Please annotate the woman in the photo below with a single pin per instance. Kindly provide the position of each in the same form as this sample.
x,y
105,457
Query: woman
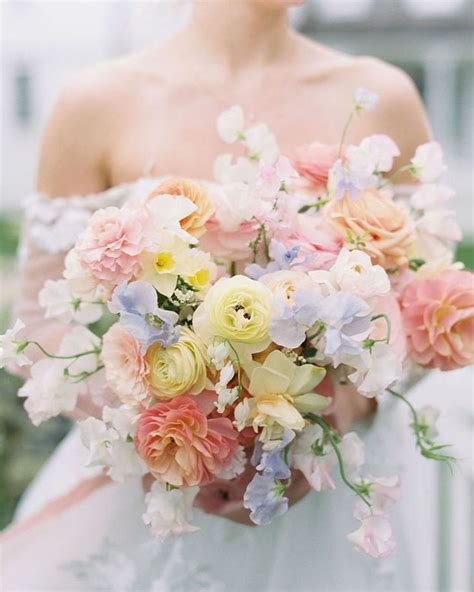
x,y
153,114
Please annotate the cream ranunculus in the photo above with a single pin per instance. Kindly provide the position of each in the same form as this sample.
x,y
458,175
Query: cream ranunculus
x,y
178,369
237,309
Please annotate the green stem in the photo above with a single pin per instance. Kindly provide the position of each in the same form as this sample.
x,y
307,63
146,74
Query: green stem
x,y
404,169
389,325
344,133
95,351
333,437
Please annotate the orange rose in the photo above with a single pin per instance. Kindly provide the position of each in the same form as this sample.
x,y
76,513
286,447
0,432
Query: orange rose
x,y
376,225
195,222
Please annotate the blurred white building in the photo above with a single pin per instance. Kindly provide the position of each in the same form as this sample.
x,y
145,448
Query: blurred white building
x,y
44,43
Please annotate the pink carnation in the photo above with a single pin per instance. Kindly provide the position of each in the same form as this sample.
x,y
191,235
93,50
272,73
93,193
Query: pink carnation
x,y
438,314
113,240
125,368
313,162
181,446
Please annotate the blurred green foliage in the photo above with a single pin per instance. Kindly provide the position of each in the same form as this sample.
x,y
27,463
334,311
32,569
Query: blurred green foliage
x,y
23,447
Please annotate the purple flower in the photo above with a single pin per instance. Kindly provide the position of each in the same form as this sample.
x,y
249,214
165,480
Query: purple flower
x,y
345,316
289,325
264,498
140,315
282,258
344,182
271,462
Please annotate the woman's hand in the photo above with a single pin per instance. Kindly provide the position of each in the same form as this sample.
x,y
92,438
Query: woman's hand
x,y
224,498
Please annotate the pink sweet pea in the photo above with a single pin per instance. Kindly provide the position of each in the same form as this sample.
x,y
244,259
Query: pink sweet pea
x,y
374,537
438,315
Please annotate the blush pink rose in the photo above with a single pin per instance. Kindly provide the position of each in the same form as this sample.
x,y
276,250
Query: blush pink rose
x,y
313,162
319,243
113,240
438,315
125,367
230,245
180,445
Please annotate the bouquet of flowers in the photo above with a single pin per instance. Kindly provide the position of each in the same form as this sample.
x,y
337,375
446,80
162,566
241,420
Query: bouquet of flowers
x,y
213,322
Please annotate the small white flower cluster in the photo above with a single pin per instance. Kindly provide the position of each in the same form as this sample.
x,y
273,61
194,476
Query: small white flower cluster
x,y
56,383
219,358
110,443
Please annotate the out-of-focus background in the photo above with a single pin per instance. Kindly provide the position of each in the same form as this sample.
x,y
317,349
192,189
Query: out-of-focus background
x,y
44,43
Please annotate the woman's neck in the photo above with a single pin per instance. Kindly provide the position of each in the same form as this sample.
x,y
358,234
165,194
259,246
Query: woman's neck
x,y
236,34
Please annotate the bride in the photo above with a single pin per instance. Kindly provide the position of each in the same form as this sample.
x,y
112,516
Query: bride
x,y
116,128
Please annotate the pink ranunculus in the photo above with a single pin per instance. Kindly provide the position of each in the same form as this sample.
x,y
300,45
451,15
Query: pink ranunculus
x,y
180,445
438,315
313,162
232,245
125,367
113,240
319,243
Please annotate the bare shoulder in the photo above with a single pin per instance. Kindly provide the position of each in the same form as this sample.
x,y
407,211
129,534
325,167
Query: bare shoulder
x,y
81,127
400,112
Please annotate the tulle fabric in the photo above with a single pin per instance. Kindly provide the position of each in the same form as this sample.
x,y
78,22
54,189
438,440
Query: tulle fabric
x,y
75,530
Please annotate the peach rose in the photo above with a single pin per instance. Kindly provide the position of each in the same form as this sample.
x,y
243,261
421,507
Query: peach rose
x,y
125,368
376,225
195,223
181,446
438,315
313,162
110,246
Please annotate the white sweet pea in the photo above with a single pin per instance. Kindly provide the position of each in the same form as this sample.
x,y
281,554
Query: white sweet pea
x,y
218,354
431,196
428,164
242,170
169,511
373,537
428,417
242,414
167,211
316,468
383,491
81,283
49,392
225,396
78,341
236,466
352,450
365,100
235,204
380,150
59,302
12,347
230,124
122,419
375,370
107,447
261,144
355,273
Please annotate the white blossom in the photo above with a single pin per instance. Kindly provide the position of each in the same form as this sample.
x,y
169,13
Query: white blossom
x,y
230,124
217,354
243,170
261,144
428,162
316,468
365,100
12,347
355,273
59,302
225,396
431,196
352,450
167,212
49,392
169,511
379,151
375,370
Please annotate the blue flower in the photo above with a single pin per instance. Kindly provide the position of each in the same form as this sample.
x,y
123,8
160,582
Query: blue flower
x,y
282,258
271,462
264,498
289,325
140,315
345,316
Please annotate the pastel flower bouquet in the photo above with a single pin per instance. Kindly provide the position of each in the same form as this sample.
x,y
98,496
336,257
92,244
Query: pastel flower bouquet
x,y
234,309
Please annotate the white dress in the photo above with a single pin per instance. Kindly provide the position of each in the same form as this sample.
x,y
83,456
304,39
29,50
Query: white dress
x,y
75,531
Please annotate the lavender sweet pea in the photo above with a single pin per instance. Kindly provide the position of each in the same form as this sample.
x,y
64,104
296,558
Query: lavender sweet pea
x,y
282,258
289,325
264,498
271,462
137,305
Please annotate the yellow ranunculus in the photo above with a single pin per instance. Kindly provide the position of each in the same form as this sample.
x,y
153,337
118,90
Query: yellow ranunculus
x,y
178,369
237,309
281,393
